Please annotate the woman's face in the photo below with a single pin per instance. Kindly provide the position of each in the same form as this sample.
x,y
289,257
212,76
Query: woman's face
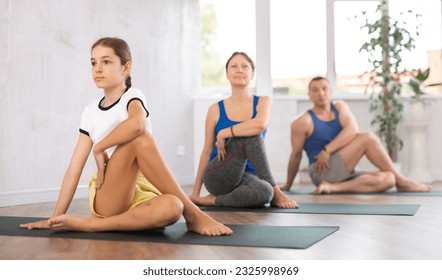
x,y
239,71
107,70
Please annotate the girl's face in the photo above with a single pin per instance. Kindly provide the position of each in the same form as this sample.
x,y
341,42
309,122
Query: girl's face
x,y
107,71
239,71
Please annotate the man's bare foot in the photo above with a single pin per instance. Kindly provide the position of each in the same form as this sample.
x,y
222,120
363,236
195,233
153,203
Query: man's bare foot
x,y
409,185
203,224
208,200
285,188
324,187
281,200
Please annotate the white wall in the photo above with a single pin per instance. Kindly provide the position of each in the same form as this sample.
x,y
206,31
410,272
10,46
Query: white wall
x,y
45,82
286,108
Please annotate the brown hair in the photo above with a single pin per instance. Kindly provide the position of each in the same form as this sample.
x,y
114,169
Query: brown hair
x,y
245,56
120,48
315,79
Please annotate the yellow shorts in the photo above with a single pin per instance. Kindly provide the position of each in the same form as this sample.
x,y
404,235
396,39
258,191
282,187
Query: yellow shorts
x,y
144,191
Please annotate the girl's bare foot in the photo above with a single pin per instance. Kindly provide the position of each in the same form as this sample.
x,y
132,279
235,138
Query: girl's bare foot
x,y
203,224
70,223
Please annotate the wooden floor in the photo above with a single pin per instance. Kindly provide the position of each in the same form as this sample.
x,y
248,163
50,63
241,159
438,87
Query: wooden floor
x,y
361,237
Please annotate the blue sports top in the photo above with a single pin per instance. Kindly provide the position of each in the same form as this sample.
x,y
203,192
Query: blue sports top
x,y
323,133
224,122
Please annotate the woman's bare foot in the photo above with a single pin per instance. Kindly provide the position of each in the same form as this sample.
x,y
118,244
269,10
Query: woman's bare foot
x,y
324,187
281,200
203,224
208,200
409,185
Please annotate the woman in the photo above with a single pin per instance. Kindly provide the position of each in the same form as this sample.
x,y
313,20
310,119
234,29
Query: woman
x,y
116,128
236,172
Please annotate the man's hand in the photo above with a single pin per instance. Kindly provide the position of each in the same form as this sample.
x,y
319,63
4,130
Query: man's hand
x,y
322,161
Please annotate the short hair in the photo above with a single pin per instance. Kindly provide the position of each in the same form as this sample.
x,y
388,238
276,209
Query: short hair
x,y
315,79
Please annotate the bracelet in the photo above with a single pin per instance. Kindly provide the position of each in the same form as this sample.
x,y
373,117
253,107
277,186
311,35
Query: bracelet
x,y
231,130
325,150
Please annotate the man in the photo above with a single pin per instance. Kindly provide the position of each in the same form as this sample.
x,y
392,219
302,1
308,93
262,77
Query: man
x,y
330,136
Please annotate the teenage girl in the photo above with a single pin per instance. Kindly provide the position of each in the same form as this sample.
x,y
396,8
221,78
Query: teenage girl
x,y
133,188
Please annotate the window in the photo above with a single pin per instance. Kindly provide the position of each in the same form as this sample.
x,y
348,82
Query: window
x,y
349,62
298,44
428,51
310,38
348,39
226,26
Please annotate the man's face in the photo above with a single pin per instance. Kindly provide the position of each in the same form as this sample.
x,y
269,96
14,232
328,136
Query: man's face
x,y
320,92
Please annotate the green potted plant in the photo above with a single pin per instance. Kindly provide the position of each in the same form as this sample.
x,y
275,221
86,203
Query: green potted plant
x,y
416,82
388,38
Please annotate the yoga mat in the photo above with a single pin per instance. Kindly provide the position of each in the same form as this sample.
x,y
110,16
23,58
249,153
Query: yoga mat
x,y
329,208
389,192
292,237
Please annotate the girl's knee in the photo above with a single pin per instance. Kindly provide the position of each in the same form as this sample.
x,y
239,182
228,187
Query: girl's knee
x,y
144,140
173,207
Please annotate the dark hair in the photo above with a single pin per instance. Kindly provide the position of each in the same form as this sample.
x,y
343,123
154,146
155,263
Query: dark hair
x,y
245,56
120,48
315,79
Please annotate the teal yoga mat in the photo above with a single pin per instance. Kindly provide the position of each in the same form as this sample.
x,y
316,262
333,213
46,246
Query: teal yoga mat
x,y
302,191
292,237
330,208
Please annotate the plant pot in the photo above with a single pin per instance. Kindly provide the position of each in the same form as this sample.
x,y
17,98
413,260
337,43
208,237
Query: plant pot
x,y
417,120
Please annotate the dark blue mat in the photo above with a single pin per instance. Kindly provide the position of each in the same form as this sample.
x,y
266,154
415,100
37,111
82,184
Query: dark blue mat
x,y
304,190
331,208
292,237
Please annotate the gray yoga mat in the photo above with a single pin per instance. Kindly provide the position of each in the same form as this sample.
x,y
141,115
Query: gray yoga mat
x,y
330,208
292,237
302,191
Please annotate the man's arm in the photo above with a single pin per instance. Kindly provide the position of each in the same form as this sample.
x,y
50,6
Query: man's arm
x,y
348,133
349,128
299,132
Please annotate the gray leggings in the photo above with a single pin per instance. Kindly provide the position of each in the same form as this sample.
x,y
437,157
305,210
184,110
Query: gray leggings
x,y
229,181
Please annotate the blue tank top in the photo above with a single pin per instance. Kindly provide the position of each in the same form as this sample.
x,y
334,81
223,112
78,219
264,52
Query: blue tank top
x,y
323,133
224,122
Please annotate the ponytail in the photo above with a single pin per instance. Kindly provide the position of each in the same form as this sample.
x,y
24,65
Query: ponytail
x,y
128,82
